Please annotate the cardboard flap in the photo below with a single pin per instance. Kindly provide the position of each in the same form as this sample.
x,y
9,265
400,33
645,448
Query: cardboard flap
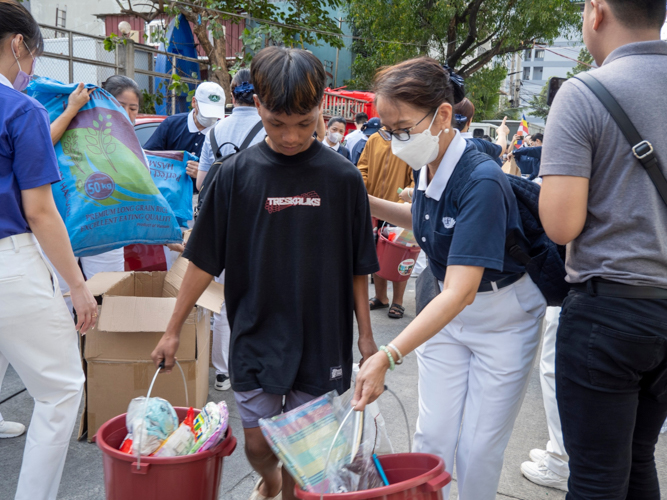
x,y
212,298
103,282
136,314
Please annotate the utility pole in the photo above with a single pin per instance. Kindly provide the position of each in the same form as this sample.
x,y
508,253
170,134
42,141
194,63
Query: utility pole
x,y
511,89
340,26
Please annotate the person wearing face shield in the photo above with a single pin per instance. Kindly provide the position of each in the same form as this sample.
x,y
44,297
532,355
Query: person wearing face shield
x,y
477,337
334,136
188,131
37,334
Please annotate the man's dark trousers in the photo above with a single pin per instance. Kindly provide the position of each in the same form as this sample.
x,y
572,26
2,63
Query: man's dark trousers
x,y
611,387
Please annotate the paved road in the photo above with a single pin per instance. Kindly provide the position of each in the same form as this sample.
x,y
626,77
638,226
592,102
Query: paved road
x,y
83,477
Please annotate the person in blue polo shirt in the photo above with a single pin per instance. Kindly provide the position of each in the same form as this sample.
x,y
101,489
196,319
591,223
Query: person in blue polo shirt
x,y
37,334
187,131
477,338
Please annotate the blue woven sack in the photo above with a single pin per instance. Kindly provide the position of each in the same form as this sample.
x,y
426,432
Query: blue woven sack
x,y
107,196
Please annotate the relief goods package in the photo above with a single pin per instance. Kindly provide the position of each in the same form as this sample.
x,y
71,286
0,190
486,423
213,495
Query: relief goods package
x,y
168,172
107,196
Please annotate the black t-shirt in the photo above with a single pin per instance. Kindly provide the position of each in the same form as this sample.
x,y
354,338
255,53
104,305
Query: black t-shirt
x,y
291,232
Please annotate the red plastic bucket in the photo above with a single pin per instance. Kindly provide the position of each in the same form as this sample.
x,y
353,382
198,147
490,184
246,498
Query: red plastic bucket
x,y
396,261
412,476
191,477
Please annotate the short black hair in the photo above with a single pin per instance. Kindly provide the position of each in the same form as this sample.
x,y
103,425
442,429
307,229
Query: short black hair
x,y
117,84
360,118
639,14
537,137
336,119
288,81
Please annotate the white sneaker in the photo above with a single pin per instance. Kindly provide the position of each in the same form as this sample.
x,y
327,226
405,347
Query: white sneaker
x,y
537,455
538,473
222,383
11,429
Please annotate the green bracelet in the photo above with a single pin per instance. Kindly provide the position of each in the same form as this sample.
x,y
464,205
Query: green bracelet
x,y
392,364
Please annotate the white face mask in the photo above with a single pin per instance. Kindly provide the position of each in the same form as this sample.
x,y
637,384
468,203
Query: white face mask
x,y
420,149
206,122
334,137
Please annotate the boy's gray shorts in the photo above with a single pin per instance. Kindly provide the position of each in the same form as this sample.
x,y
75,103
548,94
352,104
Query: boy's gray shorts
x,y
257,404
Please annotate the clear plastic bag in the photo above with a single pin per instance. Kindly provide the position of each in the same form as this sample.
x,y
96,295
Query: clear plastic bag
x,y
303,437
149,432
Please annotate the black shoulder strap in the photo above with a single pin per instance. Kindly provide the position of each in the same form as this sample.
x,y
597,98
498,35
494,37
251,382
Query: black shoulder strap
x,y
214,143
251,135
642,149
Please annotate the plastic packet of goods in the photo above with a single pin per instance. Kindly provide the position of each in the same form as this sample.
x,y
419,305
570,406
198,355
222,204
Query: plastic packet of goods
x,y
218,433
180,442
149,432
210,420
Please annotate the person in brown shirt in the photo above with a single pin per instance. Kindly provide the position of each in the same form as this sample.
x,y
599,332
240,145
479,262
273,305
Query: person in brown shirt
x,y
383,174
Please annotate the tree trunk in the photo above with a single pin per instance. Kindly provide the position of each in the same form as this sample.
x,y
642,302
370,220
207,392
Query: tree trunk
x,y
216,52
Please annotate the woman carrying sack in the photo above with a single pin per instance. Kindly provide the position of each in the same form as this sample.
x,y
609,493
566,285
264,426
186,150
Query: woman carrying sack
x,y
37,335
477,339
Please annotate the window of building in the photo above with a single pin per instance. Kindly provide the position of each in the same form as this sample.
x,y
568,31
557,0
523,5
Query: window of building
x,y
539,54
537,73
526,73
526,54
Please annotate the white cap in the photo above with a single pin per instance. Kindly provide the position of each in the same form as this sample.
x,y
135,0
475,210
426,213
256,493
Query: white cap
x,y
211,100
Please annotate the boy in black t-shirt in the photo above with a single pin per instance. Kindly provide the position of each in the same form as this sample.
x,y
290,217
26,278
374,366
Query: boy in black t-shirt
x,y
289,221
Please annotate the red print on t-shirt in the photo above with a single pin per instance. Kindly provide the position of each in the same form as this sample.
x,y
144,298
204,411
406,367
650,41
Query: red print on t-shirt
x,y
311,199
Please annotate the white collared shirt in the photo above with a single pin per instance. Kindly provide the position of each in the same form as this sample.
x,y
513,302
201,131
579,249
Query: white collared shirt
x,y
466,135
5,81
437,186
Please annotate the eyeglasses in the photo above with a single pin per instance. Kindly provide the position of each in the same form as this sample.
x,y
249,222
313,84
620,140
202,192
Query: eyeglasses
x,y
401,134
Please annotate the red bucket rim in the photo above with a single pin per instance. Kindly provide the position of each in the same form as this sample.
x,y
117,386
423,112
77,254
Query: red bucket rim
x,y
383,491
113,452
384,238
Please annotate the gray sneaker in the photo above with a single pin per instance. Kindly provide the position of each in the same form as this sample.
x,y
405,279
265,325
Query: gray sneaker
x,y
222,383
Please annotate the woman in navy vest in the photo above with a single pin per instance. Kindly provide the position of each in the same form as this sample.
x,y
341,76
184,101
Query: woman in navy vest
x,y
477,339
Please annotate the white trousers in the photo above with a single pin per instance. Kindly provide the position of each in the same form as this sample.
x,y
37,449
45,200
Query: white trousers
x,y
478,365
38,338
221,335
556,459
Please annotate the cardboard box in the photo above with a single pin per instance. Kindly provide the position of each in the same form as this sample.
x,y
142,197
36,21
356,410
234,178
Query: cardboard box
x,y
134,312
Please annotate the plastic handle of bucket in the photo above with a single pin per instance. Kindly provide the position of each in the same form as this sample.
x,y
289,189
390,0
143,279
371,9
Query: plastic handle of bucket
x,y
150,390
438,482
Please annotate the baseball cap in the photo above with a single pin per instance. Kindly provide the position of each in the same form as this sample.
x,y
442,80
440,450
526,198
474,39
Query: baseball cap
x,y
371,126
211,100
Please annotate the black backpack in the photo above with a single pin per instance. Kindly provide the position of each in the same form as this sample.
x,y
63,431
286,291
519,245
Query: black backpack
x,y
215,167
544,260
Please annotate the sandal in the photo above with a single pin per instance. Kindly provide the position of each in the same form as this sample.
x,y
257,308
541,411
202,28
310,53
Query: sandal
x,y
375,303
396,311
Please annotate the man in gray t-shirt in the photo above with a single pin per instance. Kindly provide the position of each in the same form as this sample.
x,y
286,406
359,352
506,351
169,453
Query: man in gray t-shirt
x,y
611,348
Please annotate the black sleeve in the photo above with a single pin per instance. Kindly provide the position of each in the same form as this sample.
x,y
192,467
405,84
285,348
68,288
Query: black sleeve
x,y
365,255
344,151
207,245
158,141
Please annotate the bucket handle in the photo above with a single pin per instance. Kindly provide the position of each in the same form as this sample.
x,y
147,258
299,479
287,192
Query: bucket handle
x,y
438,482
407,424
139,468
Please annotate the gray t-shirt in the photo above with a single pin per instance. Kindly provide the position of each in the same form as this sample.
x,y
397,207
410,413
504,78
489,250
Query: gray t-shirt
x,y
625,235
232,129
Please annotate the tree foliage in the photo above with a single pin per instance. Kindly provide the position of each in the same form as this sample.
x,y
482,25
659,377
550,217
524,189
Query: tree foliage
x,y
209,16
482,89
466,34
585,62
